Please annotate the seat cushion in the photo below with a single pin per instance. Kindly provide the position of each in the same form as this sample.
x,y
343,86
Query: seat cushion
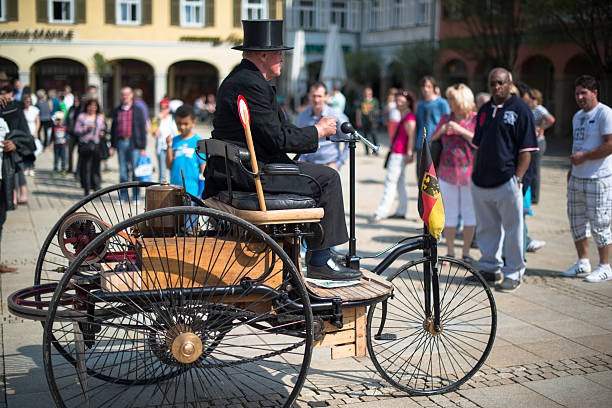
x,y
248,201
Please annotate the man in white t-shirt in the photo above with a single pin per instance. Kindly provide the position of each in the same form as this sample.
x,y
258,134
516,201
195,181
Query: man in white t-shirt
x,y
589,189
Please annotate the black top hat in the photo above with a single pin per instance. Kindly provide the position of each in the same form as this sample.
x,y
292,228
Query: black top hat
x,y
262,35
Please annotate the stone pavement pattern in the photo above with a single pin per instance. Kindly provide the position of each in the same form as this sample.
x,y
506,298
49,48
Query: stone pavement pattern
x,y
554,338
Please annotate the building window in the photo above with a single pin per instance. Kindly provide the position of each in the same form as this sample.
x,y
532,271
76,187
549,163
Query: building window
x,y
192,13
339,13
422,12
2,10
305,14
61,11
254,9
376,16
128,12
398,13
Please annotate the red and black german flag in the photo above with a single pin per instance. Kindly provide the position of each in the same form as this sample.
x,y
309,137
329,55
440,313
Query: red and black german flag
x,y
431,209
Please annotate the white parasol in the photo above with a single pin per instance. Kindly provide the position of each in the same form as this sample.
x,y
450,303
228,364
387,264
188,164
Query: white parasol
x,y
333,71
297,77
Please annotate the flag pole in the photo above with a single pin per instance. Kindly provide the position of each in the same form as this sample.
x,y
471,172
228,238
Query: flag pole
x,y
422,174
432,293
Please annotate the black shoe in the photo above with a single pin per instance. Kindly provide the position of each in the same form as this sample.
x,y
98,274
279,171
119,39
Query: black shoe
x,y
336,256
489,277
333,271
508,285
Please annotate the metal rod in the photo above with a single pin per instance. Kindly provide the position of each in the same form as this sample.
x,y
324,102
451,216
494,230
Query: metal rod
x,y
352,239
367,142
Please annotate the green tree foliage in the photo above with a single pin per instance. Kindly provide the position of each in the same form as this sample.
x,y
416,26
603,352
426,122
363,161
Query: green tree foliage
x,y
362,66
102,65
588,23
415,60
496,28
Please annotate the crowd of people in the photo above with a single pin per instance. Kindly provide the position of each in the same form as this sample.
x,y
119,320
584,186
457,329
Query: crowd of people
x,y
73,128
469,183
487,150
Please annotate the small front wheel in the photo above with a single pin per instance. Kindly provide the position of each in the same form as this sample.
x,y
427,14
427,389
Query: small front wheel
x,y
406,348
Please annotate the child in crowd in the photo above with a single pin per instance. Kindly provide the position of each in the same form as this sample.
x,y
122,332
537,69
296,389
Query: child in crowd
x,y
181,153
58,137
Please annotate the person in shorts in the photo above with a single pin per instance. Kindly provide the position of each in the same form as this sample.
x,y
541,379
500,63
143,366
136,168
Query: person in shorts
x,y
589,187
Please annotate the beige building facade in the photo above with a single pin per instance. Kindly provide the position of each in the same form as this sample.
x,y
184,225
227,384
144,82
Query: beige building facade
x,y
174,48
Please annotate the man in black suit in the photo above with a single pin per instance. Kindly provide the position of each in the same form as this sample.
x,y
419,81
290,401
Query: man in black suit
x,y
274,136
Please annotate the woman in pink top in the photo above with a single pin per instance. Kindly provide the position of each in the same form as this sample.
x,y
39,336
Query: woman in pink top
x,y
401,154
90,128
455,169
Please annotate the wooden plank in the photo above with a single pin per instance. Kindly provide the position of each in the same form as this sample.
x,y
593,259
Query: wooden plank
x,y
348,321
195,262
343,351
371,286
111,281
360,331
269,217
339,337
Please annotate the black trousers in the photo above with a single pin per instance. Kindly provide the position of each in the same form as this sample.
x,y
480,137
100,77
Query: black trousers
x,y
90,170
329,197
45,128
3,208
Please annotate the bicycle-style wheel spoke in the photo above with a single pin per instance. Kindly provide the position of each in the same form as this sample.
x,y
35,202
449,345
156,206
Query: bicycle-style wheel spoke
x,y
191,307
410,352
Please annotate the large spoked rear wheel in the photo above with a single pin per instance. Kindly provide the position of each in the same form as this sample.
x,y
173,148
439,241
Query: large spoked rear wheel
x,y
405,347
98,210
195,308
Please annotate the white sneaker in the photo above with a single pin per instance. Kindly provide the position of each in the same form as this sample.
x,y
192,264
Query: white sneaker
x,y
600,273
579,269
534,245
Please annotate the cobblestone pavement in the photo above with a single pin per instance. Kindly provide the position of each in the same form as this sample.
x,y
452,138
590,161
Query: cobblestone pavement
x,y
554,340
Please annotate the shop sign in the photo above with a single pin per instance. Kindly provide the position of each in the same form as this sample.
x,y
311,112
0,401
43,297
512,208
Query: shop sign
x,y
37,34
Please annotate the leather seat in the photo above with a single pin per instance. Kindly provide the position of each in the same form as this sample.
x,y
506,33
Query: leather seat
x,y
248,201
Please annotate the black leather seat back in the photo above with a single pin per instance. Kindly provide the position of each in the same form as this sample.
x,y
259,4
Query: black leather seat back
x,y
248,201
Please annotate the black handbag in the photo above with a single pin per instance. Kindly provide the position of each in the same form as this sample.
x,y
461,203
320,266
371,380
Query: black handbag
x,y
103,150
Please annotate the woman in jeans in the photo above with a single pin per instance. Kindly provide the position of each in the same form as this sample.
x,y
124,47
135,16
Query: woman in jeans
x,y
90,128
455,169
401,142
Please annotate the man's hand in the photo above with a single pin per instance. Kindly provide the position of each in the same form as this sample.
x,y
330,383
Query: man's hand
x,y
326,126
8,146
4,100
578,158
169,141
409,156
332,165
